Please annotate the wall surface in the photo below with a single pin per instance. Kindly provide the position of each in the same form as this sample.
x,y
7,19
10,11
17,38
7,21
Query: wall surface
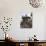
x,y
16,9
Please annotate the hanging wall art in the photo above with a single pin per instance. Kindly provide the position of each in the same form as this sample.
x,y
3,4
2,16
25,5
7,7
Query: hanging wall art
x,y
35,3
26,21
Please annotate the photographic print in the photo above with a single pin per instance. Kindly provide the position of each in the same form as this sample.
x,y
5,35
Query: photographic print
x,y
26,21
